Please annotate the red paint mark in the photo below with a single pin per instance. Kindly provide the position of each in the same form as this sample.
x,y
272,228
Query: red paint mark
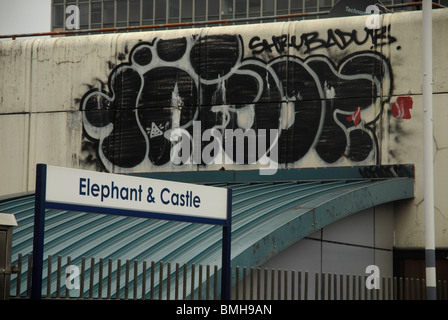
x,y
401,108
355,117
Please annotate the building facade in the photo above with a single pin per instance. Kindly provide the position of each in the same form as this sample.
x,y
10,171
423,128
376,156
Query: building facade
x,y
328,93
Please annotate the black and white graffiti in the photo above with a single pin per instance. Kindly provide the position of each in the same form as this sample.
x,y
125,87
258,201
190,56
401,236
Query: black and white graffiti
x,y
322,110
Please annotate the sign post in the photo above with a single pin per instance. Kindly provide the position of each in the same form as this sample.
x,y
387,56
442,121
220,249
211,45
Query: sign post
x,y
96,192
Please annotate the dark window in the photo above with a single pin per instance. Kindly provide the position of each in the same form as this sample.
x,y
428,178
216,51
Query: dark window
x,y
200,6
240,9
254,8
187,10
58,16
134,12
108,13
84,13
227,9
122,10
310,6
268,8
213,9
173,11
148,9
95,12
160,11
282,7
296,6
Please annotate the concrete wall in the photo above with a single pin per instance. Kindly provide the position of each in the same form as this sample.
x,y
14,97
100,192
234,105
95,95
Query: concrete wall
x,y
345,247
336,93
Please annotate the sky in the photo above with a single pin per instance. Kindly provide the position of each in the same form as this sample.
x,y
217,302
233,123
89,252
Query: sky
x,y
25,16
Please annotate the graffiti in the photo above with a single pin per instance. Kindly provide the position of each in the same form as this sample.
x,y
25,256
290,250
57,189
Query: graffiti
x,y
401,108
312,41
305,107
393,171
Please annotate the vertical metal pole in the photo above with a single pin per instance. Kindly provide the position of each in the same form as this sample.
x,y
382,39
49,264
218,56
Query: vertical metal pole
x,y
226,250
428,151
39,224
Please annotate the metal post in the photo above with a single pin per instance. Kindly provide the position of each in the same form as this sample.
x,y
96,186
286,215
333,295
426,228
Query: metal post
x,y
39,224
226,250
428,151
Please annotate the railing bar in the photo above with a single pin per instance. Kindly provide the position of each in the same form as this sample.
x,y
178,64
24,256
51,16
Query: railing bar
x,y
354,287
259,283
81,280
160,279
109,278
335,286
144,281
200,283
58,279
244,283
100,279
152,281
401,288
360,287
237,283
272,284
395,288
293,285
306,286
322,285
279,281
117,294
265,276
184,284
347,285
19,275
92,274
316,286
366,291
135,278
176,288
126,281
168,280
341,287
207,283
49,263
193,270
69,262
215,283
406,281
252,284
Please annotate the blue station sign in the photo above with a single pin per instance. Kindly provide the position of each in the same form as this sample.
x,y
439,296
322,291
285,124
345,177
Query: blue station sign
x,y
97,192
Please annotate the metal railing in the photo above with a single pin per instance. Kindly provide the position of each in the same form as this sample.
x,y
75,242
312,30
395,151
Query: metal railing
x,y
138,280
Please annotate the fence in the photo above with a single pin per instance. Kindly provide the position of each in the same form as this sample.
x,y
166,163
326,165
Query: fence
x,y
124,279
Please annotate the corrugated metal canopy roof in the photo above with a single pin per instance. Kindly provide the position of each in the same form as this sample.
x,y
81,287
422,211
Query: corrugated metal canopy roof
x,y
268,215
